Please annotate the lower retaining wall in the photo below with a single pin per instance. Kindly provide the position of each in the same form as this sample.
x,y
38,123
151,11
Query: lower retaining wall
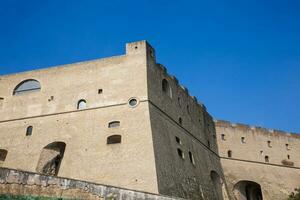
x,y
17,182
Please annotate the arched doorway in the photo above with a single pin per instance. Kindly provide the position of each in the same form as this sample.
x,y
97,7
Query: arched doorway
x,y
50,158
247,190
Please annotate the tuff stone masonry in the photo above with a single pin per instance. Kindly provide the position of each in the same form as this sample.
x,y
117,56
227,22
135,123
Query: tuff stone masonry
x,y
124,121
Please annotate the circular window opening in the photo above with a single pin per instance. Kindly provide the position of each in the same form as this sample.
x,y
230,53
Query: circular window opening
x,y
133,102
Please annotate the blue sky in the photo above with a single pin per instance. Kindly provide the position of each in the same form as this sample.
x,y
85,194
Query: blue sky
x,y
240,58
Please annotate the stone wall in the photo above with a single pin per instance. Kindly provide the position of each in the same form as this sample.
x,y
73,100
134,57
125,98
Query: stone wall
x,y
17,182
249,147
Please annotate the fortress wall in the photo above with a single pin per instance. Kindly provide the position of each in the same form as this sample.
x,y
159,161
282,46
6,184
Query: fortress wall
x,y
256,145
87,155
179,176
195,118
276,178
120,78
31,184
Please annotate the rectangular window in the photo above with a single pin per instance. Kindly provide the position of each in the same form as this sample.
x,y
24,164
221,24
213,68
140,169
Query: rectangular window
x,y
243,140
223,136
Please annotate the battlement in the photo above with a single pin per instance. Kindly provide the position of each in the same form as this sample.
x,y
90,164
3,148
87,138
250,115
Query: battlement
x,y
245,127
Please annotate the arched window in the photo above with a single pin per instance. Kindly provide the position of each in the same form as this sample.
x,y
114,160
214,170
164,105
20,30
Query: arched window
x,y
29,131
114,139
3,154
229,153
113,124
81,104
166,88
29,85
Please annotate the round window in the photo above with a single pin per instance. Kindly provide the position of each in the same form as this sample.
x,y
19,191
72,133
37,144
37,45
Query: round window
x,y
133,102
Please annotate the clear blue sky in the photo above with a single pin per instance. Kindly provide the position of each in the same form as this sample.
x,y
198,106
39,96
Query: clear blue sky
x,y
240,58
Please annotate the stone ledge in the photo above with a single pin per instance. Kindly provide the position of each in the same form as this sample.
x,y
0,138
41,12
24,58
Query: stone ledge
x,y
16,182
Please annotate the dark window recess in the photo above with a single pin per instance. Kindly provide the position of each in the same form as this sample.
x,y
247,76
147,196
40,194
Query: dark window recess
x,y
178,140
113,124
208,143
267,159
288,157
188,109
166,88
287,146
191,158
229,154
180,153
100,91
223,136
29,131
180,120
114,139
243,140
3,154
269,144
1,102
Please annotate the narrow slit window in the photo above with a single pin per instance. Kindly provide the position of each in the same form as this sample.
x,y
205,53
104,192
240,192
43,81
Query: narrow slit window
x,y
29,131
1,102
114,139
208,143
191,158
113,124
229,154
180,120
223,137
178,140
288,157
180,153
287,146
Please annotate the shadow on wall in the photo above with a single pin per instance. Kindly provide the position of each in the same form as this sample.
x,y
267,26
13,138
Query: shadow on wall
x,y
219,186
247,190
50,158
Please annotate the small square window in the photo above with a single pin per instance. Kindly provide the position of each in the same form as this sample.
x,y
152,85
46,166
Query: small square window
x,y
243,140
100,91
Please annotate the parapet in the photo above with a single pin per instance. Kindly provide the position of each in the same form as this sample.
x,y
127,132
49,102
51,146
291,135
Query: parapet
x,y
245,127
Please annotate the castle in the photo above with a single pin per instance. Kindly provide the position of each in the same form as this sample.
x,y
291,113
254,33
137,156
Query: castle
x,y
124,121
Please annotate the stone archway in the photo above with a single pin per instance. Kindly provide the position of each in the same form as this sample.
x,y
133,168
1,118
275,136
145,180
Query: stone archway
x,y
247,190
50,158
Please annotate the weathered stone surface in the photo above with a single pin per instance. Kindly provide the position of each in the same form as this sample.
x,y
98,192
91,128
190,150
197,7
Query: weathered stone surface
x,y
40,185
